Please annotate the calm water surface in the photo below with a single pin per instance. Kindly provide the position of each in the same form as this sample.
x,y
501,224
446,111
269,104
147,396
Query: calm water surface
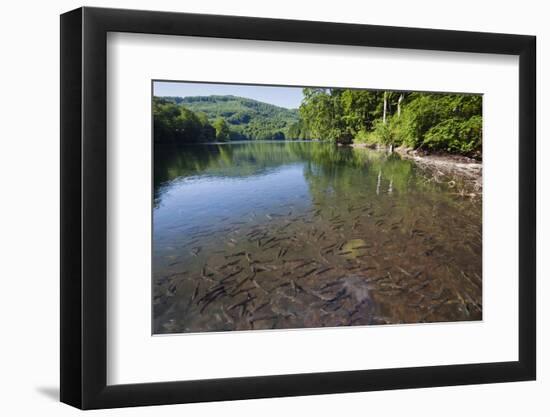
x,y
264,235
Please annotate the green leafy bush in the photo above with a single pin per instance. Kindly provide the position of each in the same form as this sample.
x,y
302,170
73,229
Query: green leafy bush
x,y
366,137
455,135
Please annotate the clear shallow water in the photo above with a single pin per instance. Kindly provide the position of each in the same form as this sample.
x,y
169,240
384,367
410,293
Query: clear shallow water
x,y
265,235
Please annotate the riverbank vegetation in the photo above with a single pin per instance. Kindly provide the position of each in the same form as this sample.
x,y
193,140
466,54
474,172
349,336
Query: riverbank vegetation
x,y
433,122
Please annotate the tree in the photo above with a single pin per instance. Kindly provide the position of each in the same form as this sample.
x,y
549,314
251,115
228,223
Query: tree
x,y
384,118
361,108
222,130
401,97
322,113
450,122
173,123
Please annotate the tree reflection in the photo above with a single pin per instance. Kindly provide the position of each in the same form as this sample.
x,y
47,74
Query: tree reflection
x,y
341,172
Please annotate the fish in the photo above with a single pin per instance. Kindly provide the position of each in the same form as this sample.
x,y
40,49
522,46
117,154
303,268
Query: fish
x,y
196,291
284,227
403,270
262,318
235,254
242,303
420,286
244,290
260,307
259,286
241,282
329,247
232,274
201,235
191,242
211,294
322,271
209,301
232,263
175,274
171,291
331,284
304,264
311,271
323,257
375,279
269,241
266,248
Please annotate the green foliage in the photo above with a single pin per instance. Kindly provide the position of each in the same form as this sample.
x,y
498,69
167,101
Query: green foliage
x,y
384,132
222,130
297,131
176,124
455,135
365,137
436,122
247,119
322,114
363,107
394,132
449,122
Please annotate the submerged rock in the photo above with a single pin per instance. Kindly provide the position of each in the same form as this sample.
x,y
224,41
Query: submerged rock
x,y
353,248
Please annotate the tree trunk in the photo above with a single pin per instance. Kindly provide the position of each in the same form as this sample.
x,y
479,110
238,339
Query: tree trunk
x,y
399,105
385,107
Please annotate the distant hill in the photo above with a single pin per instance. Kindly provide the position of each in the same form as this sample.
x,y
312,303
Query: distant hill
x,y
247,118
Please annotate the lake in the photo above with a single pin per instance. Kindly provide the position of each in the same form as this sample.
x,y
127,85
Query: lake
x,y
278,235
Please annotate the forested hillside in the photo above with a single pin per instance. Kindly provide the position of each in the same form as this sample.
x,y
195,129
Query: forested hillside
x,y
244,119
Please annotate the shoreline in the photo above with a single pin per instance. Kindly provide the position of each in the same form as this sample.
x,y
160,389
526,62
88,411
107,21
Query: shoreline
x,y
442,166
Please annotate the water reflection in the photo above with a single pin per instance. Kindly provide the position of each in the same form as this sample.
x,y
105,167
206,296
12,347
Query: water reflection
x,y
266,235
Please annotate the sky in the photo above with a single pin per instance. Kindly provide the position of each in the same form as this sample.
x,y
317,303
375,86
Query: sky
x,y
289,97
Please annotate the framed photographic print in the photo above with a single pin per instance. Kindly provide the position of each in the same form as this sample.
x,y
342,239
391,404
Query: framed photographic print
x,y
257,207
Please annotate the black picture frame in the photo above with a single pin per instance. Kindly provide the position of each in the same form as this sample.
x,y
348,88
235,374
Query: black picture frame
x,y
84,207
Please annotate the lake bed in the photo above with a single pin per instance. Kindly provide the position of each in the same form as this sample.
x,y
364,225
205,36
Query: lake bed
x,y
278,235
